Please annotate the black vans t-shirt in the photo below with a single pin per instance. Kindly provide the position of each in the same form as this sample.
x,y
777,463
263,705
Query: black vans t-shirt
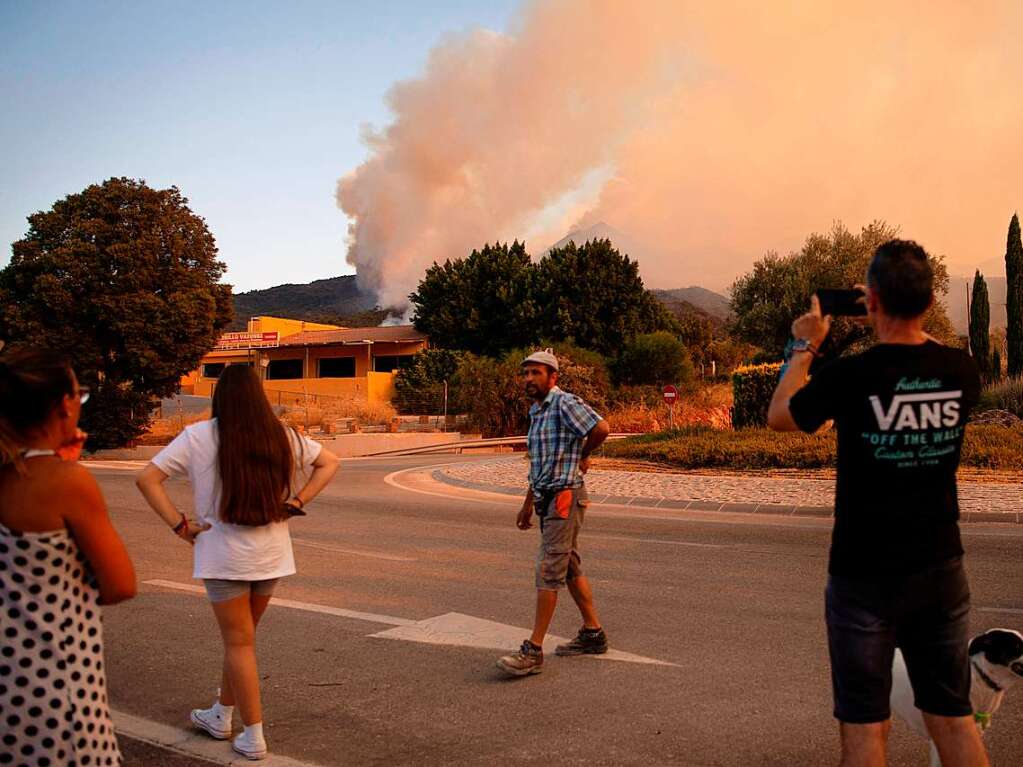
x,y
900,411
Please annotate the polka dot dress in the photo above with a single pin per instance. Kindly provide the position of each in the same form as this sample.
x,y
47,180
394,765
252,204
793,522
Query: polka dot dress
x,y
53,697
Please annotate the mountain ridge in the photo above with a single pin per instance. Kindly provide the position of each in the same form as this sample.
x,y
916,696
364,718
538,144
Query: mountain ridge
x,y
326,300
339,300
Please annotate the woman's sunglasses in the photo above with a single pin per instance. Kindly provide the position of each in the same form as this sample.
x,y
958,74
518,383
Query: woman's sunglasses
x,y
83,394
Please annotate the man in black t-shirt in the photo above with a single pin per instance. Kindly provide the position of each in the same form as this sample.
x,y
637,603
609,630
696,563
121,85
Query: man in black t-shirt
x,y
895,573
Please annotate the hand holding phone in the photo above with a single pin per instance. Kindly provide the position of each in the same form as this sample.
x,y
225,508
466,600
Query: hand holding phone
x,y
842,303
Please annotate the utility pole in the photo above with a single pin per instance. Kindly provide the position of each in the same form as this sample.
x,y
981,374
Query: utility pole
x,y
445,427
969,319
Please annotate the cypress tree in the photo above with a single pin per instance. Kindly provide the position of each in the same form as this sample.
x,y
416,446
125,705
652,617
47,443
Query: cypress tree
x,y
980,322
996,366
1014,297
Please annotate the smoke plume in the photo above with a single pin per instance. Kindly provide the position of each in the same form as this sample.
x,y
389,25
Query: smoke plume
x,y
710,133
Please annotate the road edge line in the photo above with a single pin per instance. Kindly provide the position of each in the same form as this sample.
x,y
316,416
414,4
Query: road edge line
x,y
309,607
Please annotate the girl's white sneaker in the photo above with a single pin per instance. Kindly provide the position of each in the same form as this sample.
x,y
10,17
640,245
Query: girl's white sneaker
x,y
251,746
214,723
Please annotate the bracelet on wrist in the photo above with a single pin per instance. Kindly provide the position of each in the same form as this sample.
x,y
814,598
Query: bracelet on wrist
x,y
181,526
802,345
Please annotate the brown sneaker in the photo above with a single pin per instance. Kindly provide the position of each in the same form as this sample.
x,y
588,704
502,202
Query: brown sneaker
x,y
586,642
528,660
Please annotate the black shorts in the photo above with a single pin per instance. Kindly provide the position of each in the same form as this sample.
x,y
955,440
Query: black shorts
x,y
926,615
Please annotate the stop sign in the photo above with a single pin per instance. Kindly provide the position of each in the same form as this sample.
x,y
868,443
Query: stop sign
x,y
670,394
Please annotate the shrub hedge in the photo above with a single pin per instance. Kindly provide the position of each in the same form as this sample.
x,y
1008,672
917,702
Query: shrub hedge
x,y
993,447
752,387
698,447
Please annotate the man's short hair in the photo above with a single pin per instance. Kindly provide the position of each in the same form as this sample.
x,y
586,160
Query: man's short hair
x,y
901,274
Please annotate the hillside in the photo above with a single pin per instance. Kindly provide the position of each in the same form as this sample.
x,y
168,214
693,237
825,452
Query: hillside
x,y
709,302
336,300
601,231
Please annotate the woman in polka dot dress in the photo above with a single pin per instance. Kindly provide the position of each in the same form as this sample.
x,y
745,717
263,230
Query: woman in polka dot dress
x,y
60,559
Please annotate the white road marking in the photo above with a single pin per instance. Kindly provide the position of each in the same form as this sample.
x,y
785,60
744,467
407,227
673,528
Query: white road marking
x,y
468,631
1009,610
353,552
293,605
392,480
191,742
449,629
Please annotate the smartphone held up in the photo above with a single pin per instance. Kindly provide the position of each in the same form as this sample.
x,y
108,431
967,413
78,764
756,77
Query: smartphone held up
x,y
842,303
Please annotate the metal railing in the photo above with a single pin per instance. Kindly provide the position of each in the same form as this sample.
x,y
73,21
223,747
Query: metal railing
x,y
468,444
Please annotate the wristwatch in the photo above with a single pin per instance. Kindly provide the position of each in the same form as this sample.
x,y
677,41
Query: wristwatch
x,y
802,345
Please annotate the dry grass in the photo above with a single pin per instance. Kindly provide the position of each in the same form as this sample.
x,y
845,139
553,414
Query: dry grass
x,y
713,395
708,406
634,419
327,410
986,449
700,447
965,473
163,430
320,414
1004,395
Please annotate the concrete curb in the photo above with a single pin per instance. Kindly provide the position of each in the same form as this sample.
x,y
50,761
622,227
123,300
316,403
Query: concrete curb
x,y
192,743
646,502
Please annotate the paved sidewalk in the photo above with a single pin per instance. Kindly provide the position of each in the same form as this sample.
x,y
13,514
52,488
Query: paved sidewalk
x,y
980,501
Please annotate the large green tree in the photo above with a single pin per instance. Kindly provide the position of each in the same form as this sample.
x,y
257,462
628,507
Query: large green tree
x,y
594,295
766,300
483,304
124,280
980,326
490,390
497,299
697,333
1014,297
654,359
426,385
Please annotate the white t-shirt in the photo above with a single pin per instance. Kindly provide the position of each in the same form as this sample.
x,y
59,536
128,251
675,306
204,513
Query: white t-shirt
x,y
226,551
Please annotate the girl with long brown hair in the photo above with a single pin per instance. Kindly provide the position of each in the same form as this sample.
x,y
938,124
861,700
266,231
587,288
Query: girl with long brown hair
x,y
60,558
245,468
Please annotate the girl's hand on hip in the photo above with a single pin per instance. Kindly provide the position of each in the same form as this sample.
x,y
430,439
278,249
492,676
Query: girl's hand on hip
x,y
192,531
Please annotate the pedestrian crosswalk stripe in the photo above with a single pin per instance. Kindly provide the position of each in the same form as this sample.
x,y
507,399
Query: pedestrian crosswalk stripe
x,y
454,629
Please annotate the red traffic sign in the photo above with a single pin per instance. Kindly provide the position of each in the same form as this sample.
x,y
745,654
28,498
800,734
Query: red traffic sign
x,y
670,394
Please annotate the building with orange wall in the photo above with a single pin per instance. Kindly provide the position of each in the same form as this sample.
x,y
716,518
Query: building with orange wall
x,y
297,357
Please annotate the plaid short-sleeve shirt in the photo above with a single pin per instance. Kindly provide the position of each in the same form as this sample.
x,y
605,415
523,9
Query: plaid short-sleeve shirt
x,y
557,430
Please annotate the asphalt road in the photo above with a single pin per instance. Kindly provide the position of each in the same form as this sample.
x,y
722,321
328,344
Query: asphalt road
x,y
734,602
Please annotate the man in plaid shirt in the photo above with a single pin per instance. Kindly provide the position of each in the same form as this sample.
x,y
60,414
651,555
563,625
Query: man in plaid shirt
x,y
563,432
